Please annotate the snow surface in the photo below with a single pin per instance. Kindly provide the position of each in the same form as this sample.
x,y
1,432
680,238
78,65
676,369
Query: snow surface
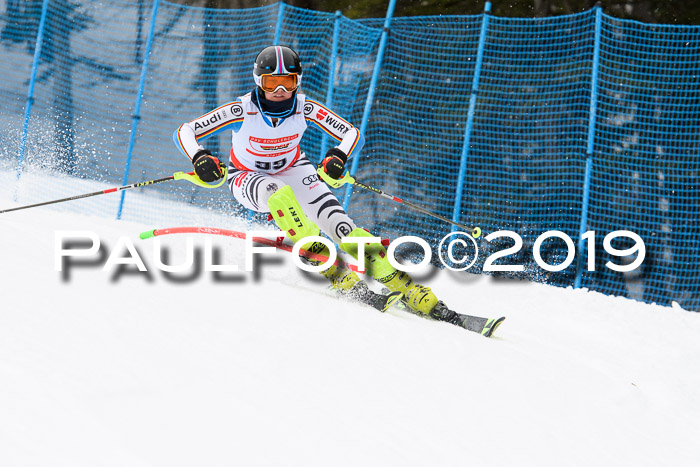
x,y
120,368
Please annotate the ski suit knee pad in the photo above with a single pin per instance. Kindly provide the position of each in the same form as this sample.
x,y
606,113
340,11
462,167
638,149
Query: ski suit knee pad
x,y
289,216
266,189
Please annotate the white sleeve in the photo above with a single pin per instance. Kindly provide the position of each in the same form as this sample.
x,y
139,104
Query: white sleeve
x,y
187,136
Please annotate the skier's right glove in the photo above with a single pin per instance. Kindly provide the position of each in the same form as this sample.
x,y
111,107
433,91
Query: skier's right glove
x,y
206,166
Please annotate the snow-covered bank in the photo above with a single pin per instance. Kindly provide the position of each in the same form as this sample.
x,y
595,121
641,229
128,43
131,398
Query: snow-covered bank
x,y
267,368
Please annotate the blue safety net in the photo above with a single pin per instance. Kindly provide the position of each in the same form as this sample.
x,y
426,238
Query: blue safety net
x,y
646,164
574,123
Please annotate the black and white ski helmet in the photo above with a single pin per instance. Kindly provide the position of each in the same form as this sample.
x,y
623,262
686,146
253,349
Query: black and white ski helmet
x,y
277,60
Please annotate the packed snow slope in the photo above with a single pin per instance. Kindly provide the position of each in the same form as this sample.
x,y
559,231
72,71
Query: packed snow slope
x,y
118,367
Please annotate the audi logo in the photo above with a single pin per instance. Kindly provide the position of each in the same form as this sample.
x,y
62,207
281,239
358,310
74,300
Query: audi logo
x,y
310,179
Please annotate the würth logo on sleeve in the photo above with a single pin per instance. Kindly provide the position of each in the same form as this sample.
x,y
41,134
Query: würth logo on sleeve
x,y
321,114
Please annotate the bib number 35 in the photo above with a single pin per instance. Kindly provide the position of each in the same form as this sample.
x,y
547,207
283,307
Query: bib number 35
x,y
276,165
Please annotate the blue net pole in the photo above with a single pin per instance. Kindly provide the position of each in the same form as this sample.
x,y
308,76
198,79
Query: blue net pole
x,y
30,93
331,73
470,116
275,41
589,148
137,108
370,93
278,27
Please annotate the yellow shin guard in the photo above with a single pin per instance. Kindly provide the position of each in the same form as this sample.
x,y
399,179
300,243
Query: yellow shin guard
x,y
290,217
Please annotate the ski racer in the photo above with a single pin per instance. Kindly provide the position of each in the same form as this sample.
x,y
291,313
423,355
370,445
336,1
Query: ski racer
x,y
268,172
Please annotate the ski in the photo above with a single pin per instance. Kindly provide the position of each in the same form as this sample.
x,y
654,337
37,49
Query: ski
x,y
379,301
484,326
278,243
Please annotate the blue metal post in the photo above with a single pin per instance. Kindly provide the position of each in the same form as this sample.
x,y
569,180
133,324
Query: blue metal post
x,y
589,147
137,108
275,41
278,27
370,93
331,73
470,115
30,92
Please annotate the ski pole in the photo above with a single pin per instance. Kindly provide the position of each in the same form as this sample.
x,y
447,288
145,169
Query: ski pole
x,y
279,244
347,178
190,177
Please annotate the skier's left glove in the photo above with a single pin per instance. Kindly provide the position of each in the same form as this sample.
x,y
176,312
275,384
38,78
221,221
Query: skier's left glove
x,y
332,167
334,163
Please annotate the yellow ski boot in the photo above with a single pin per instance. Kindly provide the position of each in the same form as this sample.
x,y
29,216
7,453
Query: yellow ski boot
x,y
290,217
418,297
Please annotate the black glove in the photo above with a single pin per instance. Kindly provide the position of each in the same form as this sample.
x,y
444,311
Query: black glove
x,y
207,166
334,163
